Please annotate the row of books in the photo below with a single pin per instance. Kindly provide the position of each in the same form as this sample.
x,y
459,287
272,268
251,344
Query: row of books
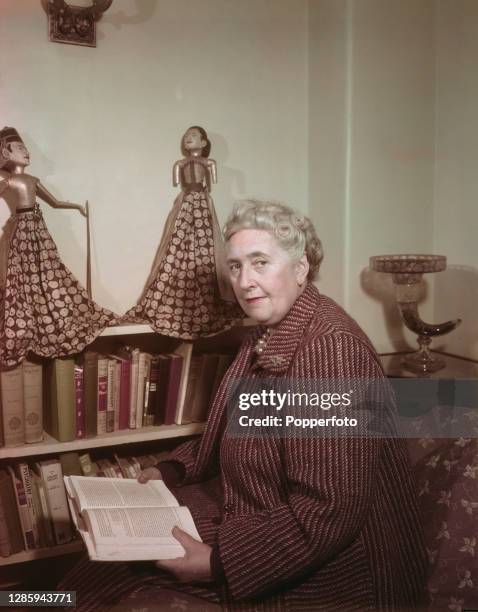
x,y
76,398
33,503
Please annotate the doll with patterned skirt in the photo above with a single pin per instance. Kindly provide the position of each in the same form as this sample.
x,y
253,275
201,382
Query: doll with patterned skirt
x,y
187,295
43,307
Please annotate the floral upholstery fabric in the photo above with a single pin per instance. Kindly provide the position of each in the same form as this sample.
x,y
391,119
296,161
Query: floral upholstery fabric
x,y
447,477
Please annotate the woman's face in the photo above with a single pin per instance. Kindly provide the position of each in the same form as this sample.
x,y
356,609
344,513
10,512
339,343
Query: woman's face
x,y
265,280
17,153
193,141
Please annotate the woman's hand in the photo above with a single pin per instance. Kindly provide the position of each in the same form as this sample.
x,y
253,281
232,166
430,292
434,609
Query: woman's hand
x,y
150,473
195,566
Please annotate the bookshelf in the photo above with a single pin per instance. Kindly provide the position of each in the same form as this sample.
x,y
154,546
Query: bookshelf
x,y
114,438
145,338
25,556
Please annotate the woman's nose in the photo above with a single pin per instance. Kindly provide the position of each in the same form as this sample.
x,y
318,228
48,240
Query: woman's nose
x,y
245,278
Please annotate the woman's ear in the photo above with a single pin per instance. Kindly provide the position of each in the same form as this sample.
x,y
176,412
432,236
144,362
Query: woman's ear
x,y
5,153
301,270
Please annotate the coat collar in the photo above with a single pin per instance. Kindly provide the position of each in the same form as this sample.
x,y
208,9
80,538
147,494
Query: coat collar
x,y
285,338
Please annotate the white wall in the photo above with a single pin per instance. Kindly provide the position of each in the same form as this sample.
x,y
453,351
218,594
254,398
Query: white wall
x,y
456,177
104,124
361,112
372,148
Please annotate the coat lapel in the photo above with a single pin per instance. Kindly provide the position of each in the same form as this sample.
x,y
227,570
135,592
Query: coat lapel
x,y
286,337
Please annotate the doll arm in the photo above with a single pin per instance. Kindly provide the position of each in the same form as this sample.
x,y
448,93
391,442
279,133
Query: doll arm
x,y
176,172
212,170
50,199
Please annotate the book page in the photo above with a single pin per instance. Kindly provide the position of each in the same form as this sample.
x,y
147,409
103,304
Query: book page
x,y
138,533
94,492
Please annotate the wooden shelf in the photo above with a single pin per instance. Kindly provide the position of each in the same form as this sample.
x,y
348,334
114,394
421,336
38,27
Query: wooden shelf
x,y
123,436
127,330
43,553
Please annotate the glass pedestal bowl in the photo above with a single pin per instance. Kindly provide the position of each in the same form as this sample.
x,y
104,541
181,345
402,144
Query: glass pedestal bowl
x,y
406,271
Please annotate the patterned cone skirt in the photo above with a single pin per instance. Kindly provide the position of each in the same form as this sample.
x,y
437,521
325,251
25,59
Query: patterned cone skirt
x,y
182,295
43,307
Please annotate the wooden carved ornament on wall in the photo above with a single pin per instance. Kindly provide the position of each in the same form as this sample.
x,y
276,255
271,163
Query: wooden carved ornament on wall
x,y
74,25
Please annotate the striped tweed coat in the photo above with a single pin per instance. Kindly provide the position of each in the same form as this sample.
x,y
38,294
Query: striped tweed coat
x,y
305,523
312,523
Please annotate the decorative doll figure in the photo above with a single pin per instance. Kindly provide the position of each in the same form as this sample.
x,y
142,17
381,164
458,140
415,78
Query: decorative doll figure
x,y
43,307
187,295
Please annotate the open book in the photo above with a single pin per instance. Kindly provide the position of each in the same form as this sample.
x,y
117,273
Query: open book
x,y
121,519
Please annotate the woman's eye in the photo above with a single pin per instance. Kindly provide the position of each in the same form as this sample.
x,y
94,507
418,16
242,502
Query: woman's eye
x,y
260,263
233,267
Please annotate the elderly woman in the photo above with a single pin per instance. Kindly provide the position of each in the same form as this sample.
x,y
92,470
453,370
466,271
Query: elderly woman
x,y
298,522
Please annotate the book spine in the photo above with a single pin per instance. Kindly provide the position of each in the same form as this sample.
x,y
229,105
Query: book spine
x,y
44,512
117,394
173,389
125,391
163,384
11,383
33,401
23,512
90,383
184,350
88,467
140,393
5,547
60,420
150,399
10,507
57,503
102,394
134,388
110,395
147,376
80,402
27,485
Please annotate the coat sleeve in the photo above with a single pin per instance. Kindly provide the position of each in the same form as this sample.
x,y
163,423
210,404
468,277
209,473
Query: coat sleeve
x,y
329,485
180,465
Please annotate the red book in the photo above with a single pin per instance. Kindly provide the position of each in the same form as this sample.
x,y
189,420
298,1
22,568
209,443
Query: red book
x,y
172,394
125,390
80,402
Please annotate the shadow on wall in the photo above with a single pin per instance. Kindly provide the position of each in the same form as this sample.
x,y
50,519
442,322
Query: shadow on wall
x,y
456,291
144,10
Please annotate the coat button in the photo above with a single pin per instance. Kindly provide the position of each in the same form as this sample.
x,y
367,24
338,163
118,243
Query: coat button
x,y
227,507
216,520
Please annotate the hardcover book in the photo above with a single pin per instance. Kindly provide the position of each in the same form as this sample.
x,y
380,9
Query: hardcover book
x,y
90,383
59,410
33,401
80,401
22,506
11,385
124,520
133,387
24,473
10,512
102,395
50,473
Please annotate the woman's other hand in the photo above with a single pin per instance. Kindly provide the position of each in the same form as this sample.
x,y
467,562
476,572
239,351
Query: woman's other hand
x,y
150,473
195,566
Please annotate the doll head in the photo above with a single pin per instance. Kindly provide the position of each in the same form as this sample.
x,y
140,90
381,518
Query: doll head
x,y
13,151
194,139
